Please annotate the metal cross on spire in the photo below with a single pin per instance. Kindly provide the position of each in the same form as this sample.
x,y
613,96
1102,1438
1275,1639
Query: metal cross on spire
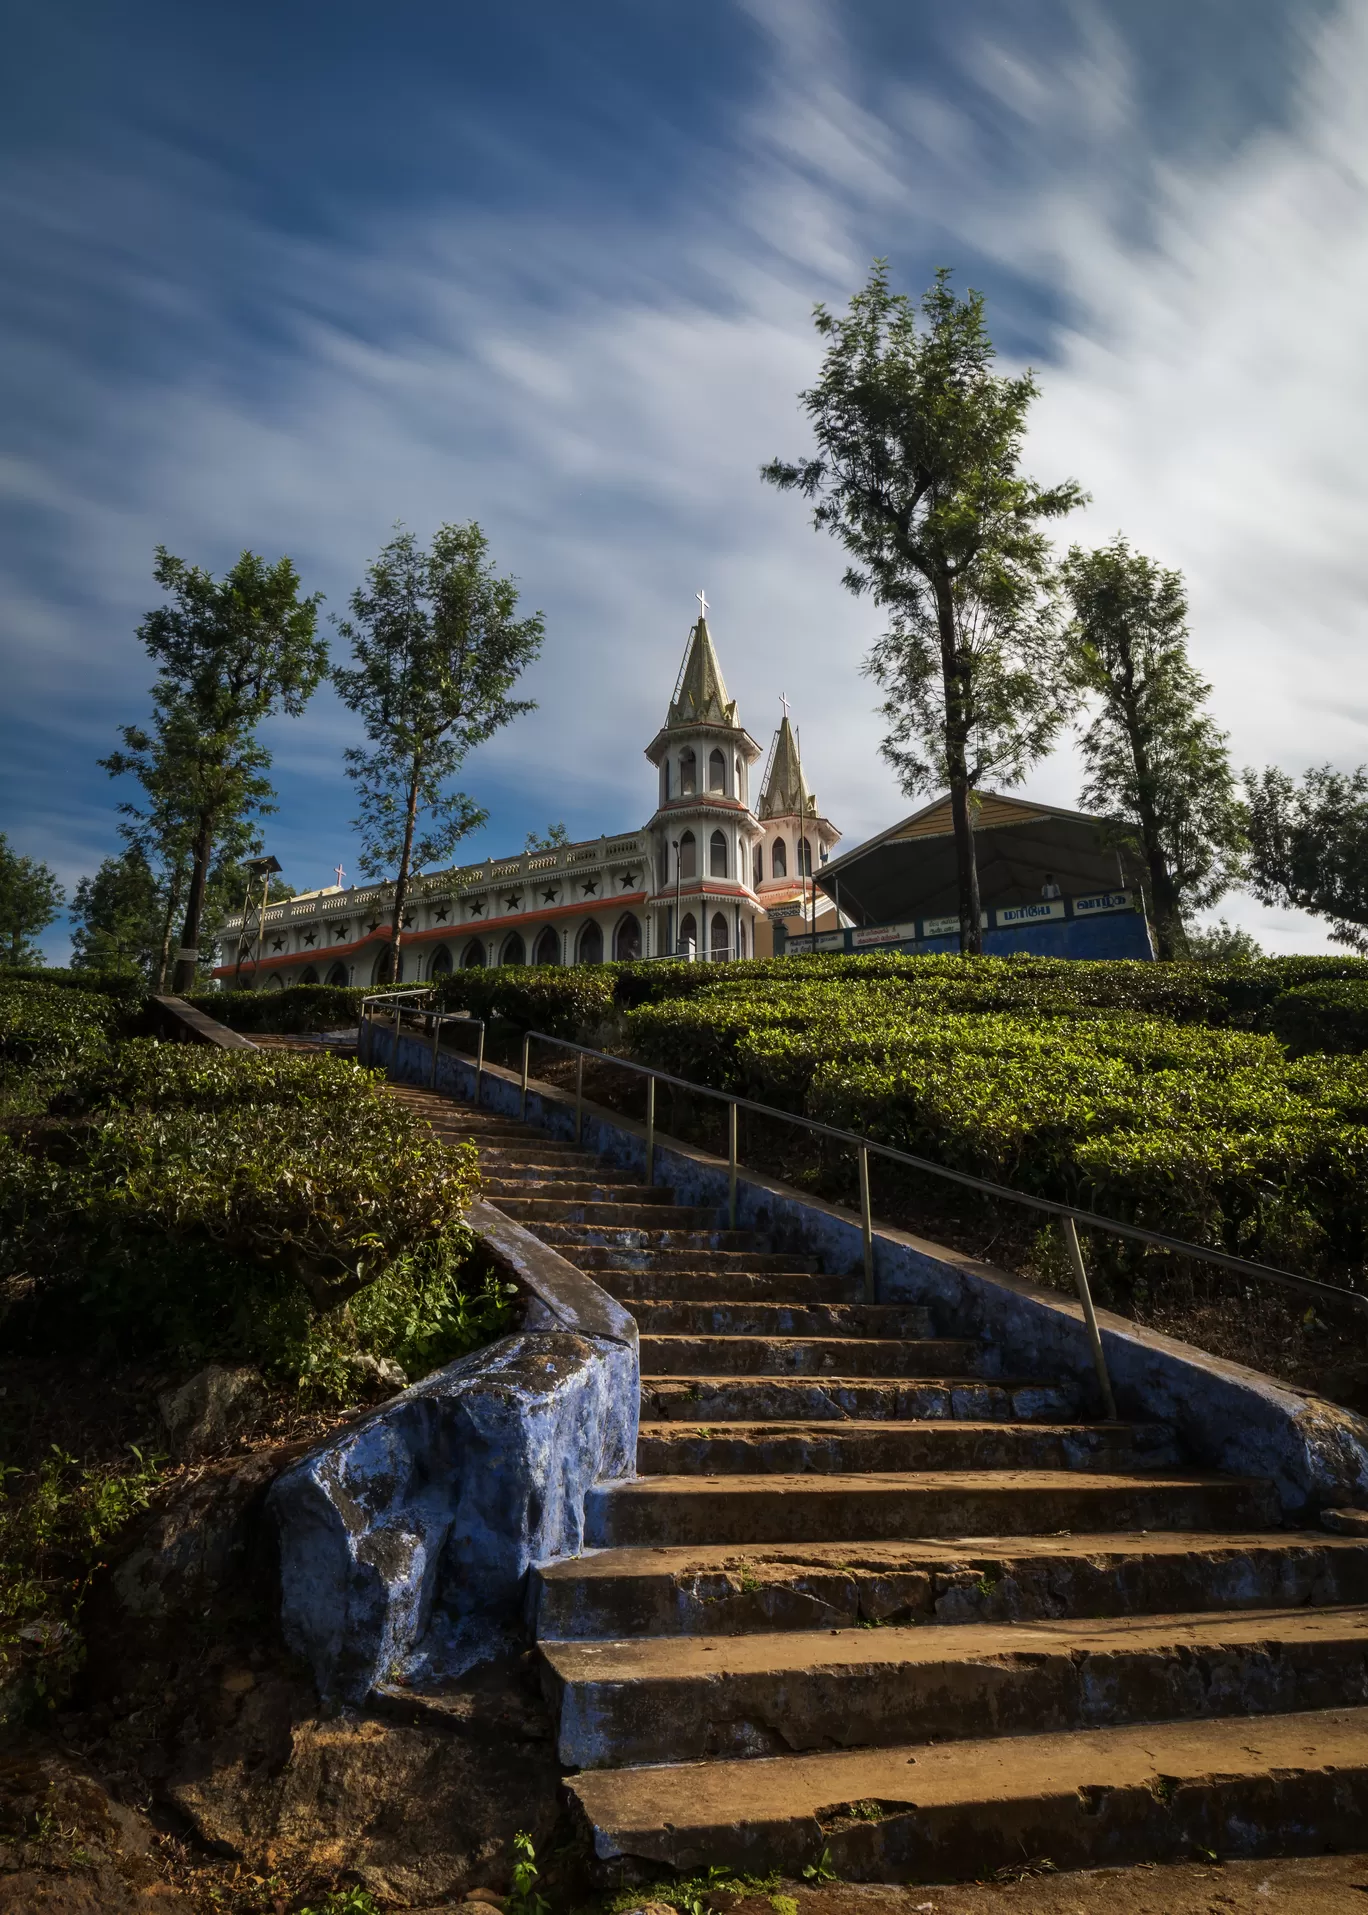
x,y
702,598
783,700
339,874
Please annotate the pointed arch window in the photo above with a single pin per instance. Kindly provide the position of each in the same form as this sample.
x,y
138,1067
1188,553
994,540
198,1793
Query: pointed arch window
x,y
627,940
547,949
758,867
804,858
717,772
441,962
779,860
589,949
721,942
688,856
474,956
514,950
717,855
688,935
688,772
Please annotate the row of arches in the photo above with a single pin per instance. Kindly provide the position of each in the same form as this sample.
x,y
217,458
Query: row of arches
x,y
546,948
717,855
779,860
688,772
719,936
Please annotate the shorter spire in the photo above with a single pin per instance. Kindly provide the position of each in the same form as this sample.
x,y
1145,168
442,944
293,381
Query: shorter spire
x,y
784,793
700,695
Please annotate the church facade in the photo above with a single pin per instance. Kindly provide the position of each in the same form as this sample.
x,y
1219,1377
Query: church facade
x,y
709,875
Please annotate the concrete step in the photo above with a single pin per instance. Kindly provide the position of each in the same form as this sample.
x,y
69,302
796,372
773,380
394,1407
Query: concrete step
x,y
641,1219
719,1590
749,1449
703,1317
573,1189
754,1399
696,1698
539,1162
664,1510
737,1286
709,1264
1291,1784
640,1238
814,1356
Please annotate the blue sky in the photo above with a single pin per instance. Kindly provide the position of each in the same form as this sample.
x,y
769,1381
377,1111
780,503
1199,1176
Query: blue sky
x,y
280,276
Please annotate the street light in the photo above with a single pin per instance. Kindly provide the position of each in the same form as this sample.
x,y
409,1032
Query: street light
x,y
265,869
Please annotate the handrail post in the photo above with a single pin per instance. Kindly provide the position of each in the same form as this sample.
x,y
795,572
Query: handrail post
x,y
436,1039
731,1166
527,1045
650,1130
579,1095
1075,1250
479,1063
866,1225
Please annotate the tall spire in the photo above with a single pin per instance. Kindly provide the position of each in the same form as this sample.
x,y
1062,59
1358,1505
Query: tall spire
x,y
700,695
784,793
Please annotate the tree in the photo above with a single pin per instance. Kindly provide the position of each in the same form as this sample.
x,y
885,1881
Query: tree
x,y
437,649
118,918
556,836
1222,943
1155,758
232,652
917,473
30,899
1308,846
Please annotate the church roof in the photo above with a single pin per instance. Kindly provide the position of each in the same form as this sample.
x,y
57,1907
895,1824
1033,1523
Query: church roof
x,y
784,793
700,695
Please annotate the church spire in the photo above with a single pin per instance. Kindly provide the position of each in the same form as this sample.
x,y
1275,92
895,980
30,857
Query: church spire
x,y
784,793
700,695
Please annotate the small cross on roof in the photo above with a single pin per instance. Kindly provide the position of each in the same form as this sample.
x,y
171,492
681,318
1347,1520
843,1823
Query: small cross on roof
x,y
702,598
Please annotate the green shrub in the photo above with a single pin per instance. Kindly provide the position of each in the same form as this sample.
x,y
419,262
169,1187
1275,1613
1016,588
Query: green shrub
x,y
563,1001
127,990
1329,1016
48,1031
145,1074
300,1007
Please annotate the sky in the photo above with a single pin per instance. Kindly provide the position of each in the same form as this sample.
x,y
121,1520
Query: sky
x,y
280,277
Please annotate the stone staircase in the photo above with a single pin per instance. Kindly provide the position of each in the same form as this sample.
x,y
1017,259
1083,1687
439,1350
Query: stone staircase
x,y
873,1597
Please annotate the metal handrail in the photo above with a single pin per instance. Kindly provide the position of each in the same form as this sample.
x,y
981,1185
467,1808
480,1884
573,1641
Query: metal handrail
x,y
1070,1215
436,1019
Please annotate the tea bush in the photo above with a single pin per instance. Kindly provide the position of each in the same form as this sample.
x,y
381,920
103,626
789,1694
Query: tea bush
x,y
300,1007
1328,1016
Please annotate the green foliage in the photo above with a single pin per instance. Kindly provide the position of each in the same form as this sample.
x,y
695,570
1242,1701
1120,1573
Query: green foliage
x,y
1331,1016
118,916
345,1901
30,899
1309,846
563,1001
48,1032
300,1007
1220,943
523,1898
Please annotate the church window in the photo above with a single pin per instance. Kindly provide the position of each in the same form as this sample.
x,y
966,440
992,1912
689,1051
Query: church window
x,y
758,866
589,950
717,772
514,950
475,955
741,939
441,962
338,974
627,940
721,943
688,772
717,855
688,856
804,858
547,949
688,935
779,860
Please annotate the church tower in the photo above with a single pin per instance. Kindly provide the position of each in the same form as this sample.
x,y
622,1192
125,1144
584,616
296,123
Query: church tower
x,y
795,839
704,833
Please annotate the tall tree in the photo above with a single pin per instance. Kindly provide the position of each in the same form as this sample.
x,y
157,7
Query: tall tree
x,y
1154,756
918,474
1308,846
436,649
231,652
117,916
30,900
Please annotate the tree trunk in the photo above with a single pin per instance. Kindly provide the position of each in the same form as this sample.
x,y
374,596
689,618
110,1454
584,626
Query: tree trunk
x,y
1168,915
184,975
168,922
956,758
401,883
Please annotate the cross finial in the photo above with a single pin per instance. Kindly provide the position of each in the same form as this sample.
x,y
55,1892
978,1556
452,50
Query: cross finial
x,y
702,598
783,700
339,874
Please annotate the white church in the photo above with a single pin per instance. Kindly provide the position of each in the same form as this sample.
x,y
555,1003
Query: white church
x,y
708,877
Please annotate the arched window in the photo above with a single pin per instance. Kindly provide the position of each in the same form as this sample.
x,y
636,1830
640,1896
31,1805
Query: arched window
x,y
474,955
688,771
338,974
380,969
717,772
275,983
441,962
688,856
688,936
721,942
758,867
514,950
741,940
717,855
589,950
547,949
804,858
779,860
627,941
310,976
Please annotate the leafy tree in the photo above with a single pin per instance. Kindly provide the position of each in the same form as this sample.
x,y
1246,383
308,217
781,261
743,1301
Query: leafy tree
x,y
917,473
556,836
1308,846
1154,756
1221,943
30,899
118,918
437,649
231,652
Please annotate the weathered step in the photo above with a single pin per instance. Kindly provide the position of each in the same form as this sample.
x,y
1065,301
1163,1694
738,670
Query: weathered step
x,y
710,1264
639,1218
815,1356
691,1698
721,1590
753,1399
682,1449
584,1236
778,1509
1291,1784
703,1317
573,1190
738,1286
537,1163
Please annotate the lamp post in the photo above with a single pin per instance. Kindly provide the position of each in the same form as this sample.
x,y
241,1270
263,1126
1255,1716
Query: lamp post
x,y
265,869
